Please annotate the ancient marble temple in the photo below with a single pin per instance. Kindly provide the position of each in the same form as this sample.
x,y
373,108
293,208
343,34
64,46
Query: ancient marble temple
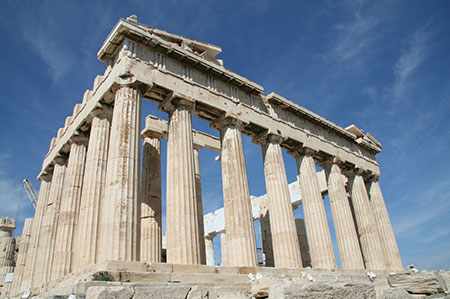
x,y
100,201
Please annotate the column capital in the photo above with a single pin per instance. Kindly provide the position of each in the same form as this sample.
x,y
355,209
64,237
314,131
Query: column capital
x,y
125,80
357,171
175,100
79,139
210,236
373,178
46,176
197,147
152,135
302,151
227,120
103,111
328,162
268,137
61,159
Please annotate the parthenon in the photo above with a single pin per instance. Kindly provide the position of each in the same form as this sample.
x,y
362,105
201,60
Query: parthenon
x,y
100,202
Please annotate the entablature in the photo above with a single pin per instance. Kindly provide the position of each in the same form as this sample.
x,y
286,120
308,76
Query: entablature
x,y
209,104
126,29
138,64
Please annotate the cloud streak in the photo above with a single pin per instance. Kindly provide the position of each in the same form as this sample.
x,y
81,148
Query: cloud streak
x,y
354,37
409,61
50,52
434,201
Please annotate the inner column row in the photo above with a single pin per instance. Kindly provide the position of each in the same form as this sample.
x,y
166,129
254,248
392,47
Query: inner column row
x,y
237,205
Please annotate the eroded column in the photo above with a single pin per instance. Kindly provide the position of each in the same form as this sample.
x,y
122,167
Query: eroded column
x,y
286,249
319,238
266,236
46,243
238,211
35,250
7,248
369,238
70,204
224,249
183,244
209,249
86,232
119,230
21,257
151,200
198,193
387,237
346,235
303,241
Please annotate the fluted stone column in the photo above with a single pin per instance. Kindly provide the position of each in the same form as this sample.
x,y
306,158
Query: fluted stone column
x,y
266,237
198,193
151,201
346,235
319,238
369,238
388,242
209,248
21,257
286,249
119,210
303,241
93,191
7,247
70,205
46,245
183,244
224,249
35,250
238,211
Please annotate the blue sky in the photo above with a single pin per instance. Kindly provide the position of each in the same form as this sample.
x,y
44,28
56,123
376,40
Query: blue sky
x,y
382,65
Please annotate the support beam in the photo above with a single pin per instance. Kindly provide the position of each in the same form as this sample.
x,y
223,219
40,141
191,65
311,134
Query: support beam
x,y
45,253
198,194
209,248
119,211
151,212
24,247
34,252
303,241
224,249
266,237
93,191
387,237
286,249
69,209
346,235
369,238
238,213
183,244
319,238
7,249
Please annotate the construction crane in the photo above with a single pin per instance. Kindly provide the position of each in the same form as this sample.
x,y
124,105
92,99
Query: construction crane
x,y
32,195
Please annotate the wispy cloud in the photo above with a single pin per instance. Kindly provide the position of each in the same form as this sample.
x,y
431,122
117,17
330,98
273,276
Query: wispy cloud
x,y
354,37
433,200
411,58
50,52
436,234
